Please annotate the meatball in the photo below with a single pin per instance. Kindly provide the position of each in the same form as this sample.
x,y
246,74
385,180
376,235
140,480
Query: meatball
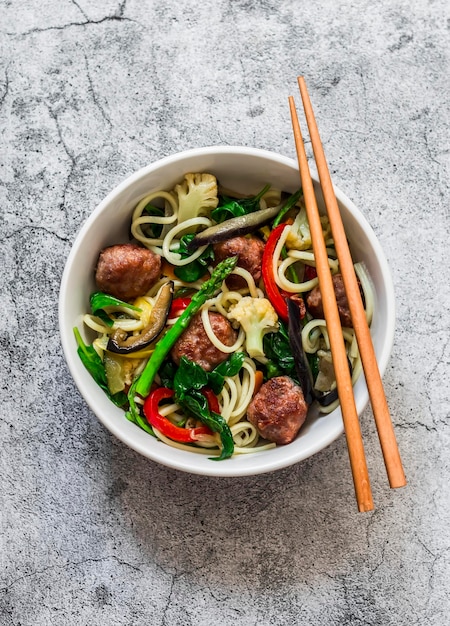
x,y
250,251
194,343
278,410
127,270
315,306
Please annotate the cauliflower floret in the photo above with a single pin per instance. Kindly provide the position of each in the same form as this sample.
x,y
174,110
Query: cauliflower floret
x,y
257,317
197,196
299,235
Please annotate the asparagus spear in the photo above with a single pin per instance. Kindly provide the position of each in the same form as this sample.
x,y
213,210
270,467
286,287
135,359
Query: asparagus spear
x,y
142,385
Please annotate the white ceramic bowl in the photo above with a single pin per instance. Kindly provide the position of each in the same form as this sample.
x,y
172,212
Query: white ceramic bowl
x,y
242,169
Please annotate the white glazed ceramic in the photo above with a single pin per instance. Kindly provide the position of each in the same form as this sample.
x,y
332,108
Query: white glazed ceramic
x,y
241,169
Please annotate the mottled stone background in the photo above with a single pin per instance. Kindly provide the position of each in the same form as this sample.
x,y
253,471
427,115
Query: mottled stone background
x,y
92,533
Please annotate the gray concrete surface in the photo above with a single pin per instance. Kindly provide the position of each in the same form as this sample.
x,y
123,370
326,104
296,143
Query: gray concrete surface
x,y
91,533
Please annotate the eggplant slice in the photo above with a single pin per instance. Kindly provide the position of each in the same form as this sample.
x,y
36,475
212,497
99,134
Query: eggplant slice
x,y
324,398
121,343
300,360
234,227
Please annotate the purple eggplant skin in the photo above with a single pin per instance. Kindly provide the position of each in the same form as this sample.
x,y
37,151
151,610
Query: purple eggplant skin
x,y
300,360
121,344
234,227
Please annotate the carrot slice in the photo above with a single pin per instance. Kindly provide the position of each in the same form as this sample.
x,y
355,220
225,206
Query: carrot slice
x,y
259,379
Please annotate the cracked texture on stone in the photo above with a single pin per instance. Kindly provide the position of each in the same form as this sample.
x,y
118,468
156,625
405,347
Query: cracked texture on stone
x,y
92,533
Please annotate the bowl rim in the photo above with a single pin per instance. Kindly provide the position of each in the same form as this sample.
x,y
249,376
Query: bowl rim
x,y
260,463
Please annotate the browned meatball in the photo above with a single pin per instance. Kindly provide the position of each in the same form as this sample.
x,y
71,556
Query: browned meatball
x,y
250,251
278,410
127,271
194,343
315,306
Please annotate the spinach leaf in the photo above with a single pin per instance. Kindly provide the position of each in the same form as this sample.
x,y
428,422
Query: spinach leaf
x,y
96,369
154,230
189,273
99,301
290,202
231,207
196,404
278,350
313,361
190,379
195,269
231,367
189,376
272,370
167,373
182,249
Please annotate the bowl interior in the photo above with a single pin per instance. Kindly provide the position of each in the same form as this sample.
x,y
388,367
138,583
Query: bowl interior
x,y
245,170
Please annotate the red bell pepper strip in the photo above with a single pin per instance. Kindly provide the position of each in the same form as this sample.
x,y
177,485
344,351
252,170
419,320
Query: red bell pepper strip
x,y
178,305
164,425
273,291
211,397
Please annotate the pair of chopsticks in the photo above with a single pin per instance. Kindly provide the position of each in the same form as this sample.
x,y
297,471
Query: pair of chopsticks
x,y
377,396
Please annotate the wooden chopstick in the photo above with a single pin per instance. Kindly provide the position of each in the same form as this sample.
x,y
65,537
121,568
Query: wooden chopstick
x,y
343,378
374,383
